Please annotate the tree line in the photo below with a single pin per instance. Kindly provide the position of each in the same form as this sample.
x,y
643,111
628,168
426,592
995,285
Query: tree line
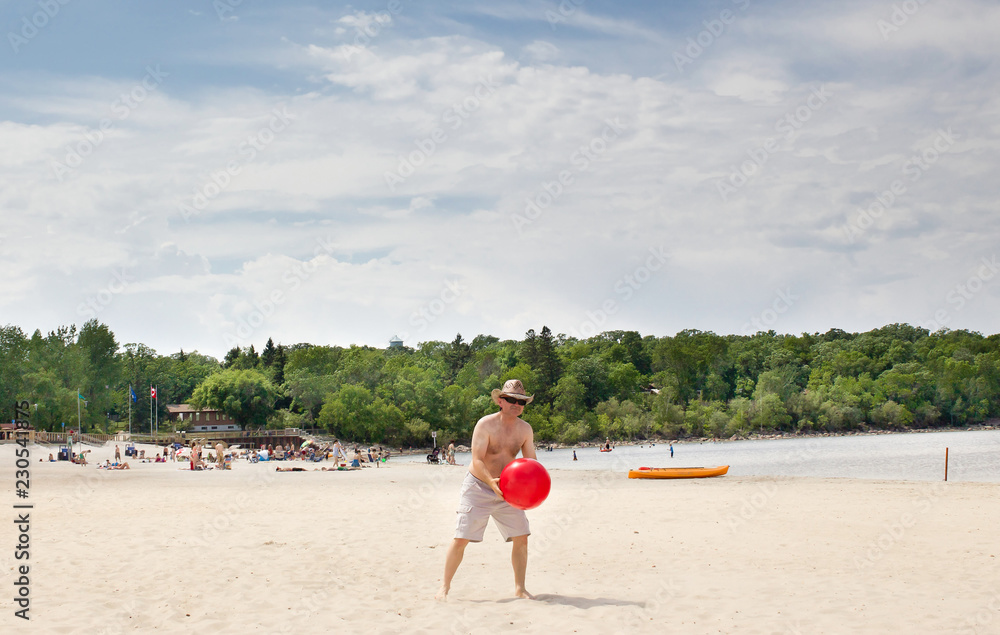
x,y
618,384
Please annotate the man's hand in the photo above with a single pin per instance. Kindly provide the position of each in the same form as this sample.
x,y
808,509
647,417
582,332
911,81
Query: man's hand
x,y
495,484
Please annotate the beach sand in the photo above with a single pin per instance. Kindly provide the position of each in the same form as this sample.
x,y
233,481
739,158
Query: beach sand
x,y
157,548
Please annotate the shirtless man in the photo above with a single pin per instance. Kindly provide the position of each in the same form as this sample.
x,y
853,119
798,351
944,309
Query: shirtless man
x,y
496,440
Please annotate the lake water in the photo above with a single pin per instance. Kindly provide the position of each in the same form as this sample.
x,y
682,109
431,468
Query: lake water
x,y
973,456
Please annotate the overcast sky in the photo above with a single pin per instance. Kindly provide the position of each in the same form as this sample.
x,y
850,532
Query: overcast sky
x,y
200,175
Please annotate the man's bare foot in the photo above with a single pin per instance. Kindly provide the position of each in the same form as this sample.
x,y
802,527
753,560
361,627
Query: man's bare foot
x,y
523,593
442,594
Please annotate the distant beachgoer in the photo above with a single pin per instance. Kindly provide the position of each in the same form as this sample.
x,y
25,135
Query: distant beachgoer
x,y
671,450
220,454
451,452
338,451
118,453
195,455
574,455
357,458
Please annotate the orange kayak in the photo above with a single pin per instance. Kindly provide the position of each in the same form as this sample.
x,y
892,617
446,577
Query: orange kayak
x,y
678,472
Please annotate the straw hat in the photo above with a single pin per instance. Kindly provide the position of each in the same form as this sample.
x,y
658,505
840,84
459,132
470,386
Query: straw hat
x,y
511,388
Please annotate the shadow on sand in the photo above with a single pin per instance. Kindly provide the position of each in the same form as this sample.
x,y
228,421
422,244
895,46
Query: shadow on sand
x,y
579,602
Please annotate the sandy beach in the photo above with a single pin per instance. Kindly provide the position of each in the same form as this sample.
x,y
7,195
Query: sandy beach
x,y
159,548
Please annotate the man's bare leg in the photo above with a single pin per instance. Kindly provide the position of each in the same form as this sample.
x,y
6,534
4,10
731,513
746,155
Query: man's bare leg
x,y
519,559
454,558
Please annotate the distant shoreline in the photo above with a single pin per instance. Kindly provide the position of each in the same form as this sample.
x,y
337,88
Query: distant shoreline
x,y
992,424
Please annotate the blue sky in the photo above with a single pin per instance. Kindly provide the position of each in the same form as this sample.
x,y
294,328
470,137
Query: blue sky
x,y
200,175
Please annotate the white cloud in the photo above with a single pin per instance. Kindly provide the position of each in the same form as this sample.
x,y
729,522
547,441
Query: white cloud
x,y
510,167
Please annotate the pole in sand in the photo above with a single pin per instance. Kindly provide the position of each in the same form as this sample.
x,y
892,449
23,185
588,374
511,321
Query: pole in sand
x,y
946,464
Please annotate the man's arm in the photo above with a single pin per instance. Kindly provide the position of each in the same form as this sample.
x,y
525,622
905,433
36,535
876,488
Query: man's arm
x,y
528,447
477,466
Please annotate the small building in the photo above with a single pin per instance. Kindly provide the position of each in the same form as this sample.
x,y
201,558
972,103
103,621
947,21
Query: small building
x,y
201,419
395,342
7,431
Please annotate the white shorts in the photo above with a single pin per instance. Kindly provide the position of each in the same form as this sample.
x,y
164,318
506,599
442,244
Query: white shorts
x,y
477,502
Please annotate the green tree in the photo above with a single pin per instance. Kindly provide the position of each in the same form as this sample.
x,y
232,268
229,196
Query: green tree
x,y
13,363
246,395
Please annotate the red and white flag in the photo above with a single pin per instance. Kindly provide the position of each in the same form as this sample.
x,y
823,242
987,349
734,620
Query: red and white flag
x,y
152,392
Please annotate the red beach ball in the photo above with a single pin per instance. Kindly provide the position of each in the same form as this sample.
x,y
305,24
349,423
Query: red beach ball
x,y
525,483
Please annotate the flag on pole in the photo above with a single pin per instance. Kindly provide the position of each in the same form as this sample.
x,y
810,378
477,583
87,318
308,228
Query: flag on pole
x,y
134,398
152,392
79,395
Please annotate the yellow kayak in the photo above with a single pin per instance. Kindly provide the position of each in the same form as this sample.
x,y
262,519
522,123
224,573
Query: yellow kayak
x,y
678,472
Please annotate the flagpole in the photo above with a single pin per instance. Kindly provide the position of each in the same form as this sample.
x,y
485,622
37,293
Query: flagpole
x,y
79,427
151,412
157,434
129,398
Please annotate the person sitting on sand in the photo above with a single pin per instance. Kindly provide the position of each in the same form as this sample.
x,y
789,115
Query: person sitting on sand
x,y
357,458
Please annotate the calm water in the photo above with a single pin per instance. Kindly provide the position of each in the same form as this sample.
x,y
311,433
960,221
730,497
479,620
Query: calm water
x,y
973,456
